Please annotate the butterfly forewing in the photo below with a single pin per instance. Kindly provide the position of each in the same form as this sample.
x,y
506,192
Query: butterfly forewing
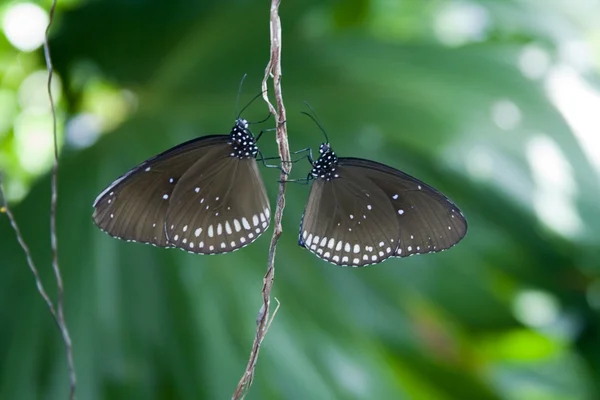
x,y
428,221
134,206
218,208
346,222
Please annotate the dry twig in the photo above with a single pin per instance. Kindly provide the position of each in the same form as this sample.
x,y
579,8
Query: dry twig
x,y
273,71
59,314
58,311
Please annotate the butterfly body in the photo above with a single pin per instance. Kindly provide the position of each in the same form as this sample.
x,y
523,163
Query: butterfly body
x,y
205,196
361,212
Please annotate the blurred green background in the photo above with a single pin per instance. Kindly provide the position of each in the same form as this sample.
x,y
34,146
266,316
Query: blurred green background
x,y
494,102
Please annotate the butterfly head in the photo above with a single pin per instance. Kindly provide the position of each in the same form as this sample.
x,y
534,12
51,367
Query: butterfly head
x,y
242,140
326,165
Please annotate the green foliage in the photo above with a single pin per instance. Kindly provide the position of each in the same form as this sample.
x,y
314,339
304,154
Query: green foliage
x,y
509,313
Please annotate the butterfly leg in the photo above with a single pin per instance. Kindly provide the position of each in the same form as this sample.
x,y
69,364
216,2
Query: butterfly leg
x,y
307,150
300,181
263,131
264,159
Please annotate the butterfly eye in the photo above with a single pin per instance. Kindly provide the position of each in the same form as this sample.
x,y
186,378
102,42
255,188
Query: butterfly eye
x,y
188,197
374,213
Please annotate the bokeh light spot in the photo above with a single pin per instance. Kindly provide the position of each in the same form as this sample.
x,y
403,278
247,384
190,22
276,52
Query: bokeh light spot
x,y
459,23
534,62
535,308
505,114
24,25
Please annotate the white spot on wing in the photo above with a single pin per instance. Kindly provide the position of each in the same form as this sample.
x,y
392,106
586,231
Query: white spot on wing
x,y
308,241
236,225
245,223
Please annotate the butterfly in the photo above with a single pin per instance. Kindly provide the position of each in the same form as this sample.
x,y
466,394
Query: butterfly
x,y
205,196
361,212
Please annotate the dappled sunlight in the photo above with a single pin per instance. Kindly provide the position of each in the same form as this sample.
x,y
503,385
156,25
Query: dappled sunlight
x,y
579,104
555,190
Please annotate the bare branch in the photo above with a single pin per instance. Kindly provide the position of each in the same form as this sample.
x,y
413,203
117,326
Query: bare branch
x,y
59,314
273,71
13,222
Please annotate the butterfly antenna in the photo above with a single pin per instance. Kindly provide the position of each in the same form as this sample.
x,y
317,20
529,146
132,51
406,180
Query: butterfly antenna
x,y
315,119
251,101
262,120
237,99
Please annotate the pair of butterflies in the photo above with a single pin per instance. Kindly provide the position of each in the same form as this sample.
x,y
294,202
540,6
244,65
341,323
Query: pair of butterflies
x,y
206,196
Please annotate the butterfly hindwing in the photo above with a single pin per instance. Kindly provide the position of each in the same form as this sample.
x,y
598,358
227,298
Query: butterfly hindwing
x,y
218,208
346,221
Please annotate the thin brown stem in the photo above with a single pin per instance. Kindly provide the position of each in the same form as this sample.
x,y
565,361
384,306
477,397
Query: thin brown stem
x,y
273,70
13,222
59,315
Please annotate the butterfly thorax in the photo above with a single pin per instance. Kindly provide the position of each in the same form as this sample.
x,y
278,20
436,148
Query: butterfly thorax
x,y
242,141
326,165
